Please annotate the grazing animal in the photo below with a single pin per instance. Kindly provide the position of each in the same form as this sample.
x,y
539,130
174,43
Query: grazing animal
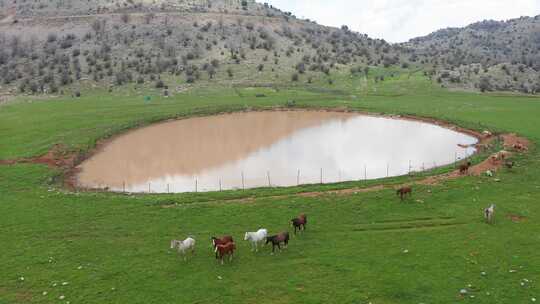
x,y
277,240
489,213
184,246
255,238
404,191
299,223
222,241
464,168
223,250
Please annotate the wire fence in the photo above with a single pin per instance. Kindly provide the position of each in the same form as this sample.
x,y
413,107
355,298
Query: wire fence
x,y
248,179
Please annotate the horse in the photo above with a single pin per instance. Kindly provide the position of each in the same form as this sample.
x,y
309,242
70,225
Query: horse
x,y
221,241
299,222
404,191
489,214
277,240
225,249
255,238
184,246
464,168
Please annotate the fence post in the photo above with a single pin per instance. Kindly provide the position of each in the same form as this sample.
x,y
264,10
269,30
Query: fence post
x,y
168,189
387,170
365,172
298,178
196,185
220,185
149,191
243,185
410,165
321,177
268,175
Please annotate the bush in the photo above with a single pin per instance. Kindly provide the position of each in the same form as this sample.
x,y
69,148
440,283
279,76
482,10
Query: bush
x,y
160,84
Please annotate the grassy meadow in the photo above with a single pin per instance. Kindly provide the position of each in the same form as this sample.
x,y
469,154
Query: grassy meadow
x,y
59,246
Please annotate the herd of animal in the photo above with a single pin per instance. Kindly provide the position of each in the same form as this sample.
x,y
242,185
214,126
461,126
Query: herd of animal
x,y
225,246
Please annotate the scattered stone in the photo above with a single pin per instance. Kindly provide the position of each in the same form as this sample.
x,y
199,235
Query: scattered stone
x,y
220,278
463,291
533,299
489,173
497,180
64,283
512,271
54,284
44,293
406,251
21,279
113,289
80,267
483,273
61,297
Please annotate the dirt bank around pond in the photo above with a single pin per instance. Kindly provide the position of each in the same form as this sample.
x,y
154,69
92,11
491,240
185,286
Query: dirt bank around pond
x,y
67,162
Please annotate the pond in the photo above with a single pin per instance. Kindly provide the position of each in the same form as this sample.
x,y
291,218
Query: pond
x,y
269,148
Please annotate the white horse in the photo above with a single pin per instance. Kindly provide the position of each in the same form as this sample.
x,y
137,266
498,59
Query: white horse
x,y
489,213
255,238
184,246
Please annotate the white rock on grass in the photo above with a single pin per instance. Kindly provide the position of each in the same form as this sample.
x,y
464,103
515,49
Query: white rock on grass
x,y
44,293
463,291
61,297
21,279
64,283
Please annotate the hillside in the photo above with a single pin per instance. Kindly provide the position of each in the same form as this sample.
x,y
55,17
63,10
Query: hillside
x,y
488,55
162,44
171,45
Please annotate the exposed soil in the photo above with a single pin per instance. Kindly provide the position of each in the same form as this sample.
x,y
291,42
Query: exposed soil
x,y
516,218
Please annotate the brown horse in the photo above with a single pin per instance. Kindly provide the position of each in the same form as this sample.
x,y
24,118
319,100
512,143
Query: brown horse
x,y
222,241
277,240
464,168
299,223
223,250
404,191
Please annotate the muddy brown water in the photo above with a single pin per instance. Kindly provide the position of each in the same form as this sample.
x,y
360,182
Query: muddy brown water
x,y
277,148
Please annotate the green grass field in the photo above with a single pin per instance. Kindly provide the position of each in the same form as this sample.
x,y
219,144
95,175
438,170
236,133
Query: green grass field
x,y
359,248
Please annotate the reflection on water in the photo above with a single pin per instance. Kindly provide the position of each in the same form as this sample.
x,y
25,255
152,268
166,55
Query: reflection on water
x,y
256,149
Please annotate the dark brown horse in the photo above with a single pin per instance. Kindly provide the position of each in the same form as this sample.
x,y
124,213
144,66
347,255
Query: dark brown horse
x,y
223,250
277,240
299,222
404,191
464,168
